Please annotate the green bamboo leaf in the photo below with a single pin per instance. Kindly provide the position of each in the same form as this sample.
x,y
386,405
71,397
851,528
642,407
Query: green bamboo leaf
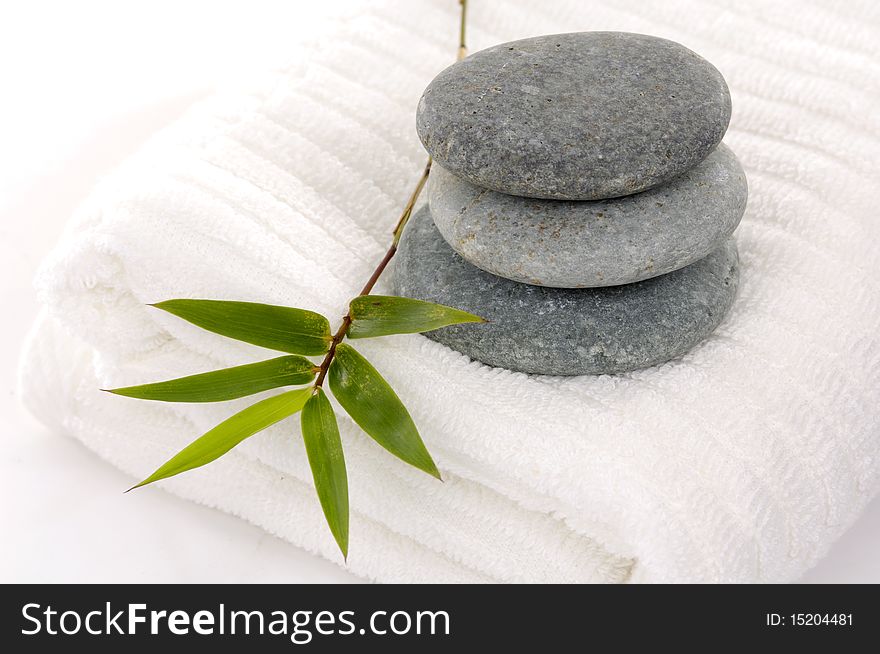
x,y
375,407
227,384
229,433
324,448
278,328
381,315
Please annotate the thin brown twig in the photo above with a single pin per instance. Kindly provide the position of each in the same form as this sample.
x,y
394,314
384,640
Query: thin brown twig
x,y
398,229
462,47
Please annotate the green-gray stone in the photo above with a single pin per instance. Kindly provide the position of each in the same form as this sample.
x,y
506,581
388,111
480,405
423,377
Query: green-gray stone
x,y
552,331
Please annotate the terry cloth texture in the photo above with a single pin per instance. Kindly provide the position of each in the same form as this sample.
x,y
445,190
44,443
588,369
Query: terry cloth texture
x,y
741,462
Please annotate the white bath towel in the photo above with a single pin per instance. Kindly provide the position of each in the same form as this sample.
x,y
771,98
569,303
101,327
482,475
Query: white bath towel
x,y
743,461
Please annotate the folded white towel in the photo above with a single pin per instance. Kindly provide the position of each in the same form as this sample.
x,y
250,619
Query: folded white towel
x,y
741,462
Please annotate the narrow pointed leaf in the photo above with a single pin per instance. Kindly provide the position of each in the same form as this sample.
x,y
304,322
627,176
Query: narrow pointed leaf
x,y
380,315
278,328
227,384
375,407
230,433
324,449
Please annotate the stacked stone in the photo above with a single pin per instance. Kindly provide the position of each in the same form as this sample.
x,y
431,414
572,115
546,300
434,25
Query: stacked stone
x,y
580,200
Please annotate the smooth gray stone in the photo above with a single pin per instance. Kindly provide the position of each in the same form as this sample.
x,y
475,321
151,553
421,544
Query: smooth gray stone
x,y
581,116
571,244
554,331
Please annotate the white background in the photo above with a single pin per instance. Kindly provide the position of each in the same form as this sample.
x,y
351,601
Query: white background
x,y
81,86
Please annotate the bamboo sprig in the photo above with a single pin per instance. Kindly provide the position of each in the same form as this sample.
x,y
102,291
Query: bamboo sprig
x,y
358,387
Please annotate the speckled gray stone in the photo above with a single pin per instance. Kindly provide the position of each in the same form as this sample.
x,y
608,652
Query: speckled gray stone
x,y
580,116
571,244
555,331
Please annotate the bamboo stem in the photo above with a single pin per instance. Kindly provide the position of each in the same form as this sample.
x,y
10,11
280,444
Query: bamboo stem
x,y
398,229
